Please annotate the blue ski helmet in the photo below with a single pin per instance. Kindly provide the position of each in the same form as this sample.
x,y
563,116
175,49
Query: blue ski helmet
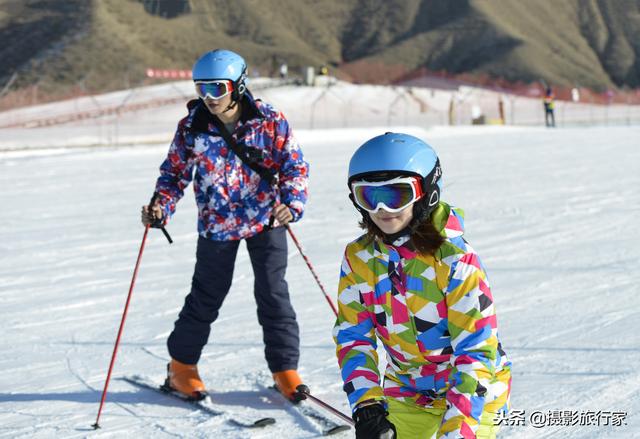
x,y
393,154
222,64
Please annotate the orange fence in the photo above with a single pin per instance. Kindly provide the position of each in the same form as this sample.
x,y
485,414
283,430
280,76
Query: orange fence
x,y
439,79
368,72
35,95
168,74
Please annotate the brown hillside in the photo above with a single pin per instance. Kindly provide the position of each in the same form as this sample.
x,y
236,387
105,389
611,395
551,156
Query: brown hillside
x,y
101,45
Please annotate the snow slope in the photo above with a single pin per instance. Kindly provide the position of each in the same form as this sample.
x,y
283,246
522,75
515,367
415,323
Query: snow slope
x,y
550,211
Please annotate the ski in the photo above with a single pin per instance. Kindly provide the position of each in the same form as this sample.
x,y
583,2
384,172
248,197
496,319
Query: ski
x,y
316,417
205,405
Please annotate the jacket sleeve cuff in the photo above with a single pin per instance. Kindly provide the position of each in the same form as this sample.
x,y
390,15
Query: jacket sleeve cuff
x,y
296,210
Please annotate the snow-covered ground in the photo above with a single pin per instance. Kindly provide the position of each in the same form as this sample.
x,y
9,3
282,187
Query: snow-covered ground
x,y
550,211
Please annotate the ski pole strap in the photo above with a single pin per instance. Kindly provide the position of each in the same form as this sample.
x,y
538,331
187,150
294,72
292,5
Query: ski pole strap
x,y
272,220
242,154
252,163
166,235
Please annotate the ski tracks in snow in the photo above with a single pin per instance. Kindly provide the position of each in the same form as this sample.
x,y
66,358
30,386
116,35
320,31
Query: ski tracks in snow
x,y
552,214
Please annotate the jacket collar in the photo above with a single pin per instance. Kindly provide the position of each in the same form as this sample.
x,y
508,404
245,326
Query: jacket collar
x,y
448,220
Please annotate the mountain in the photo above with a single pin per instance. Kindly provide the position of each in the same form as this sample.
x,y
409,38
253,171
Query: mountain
x,y
101,45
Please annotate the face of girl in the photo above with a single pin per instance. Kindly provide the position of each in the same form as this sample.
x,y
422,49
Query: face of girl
x,y
391,223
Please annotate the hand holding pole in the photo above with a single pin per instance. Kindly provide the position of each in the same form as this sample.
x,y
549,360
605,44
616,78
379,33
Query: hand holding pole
x,y
158,224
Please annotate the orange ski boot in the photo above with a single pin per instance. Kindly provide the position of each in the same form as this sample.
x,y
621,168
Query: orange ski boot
x,y
185,379
287,382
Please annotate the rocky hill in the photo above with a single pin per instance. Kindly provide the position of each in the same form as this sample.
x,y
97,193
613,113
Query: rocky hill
x,y
102,45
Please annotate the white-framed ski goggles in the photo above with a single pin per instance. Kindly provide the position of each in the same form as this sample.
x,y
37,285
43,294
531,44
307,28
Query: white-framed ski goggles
x,y
391,195
213,89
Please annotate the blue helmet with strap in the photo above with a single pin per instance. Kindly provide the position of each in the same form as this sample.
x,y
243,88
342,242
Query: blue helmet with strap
x,y
395,153
392,154
224,65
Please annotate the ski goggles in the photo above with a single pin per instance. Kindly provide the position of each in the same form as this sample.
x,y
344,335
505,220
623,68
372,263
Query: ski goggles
x,y
213,89
391,195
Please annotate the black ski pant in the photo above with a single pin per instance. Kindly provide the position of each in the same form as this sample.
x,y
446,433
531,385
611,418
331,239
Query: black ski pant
x,y
211,282
549,118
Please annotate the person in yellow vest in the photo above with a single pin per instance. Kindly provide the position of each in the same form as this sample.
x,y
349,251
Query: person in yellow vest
x,y
549,118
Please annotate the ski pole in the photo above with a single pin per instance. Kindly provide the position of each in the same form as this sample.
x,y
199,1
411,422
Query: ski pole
x,y
124,316
304,393
326,296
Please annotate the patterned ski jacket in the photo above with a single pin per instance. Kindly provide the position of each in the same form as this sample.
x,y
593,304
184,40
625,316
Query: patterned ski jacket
x,y
234,202
436,320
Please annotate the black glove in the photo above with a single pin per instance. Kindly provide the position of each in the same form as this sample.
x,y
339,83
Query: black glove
x,y
157,223
148,217
372,423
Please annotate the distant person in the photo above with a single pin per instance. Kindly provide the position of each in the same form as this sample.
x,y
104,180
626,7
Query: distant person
x,y
549,118
413,283
575,95
477,115
284,71
235,202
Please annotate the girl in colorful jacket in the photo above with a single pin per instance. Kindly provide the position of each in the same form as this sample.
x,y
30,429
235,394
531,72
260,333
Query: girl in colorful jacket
x,y
413,283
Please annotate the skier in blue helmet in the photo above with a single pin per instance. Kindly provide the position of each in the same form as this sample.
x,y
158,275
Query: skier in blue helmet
x,y
396,155
413,283
250,179
219,73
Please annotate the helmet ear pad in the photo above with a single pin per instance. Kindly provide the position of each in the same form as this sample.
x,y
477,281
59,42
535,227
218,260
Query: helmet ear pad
x,y
239,86
238,91
424,206
431,185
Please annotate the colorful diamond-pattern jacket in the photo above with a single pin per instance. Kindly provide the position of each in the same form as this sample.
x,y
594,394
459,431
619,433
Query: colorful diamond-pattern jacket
x,y
234,202
436,320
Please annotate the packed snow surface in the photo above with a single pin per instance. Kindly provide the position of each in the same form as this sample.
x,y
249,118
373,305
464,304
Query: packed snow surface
x,y
551,212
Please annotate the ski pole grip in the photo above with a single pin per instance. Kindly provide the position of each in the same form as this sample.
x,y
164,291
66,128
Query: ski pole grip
x,y
161,227
303,392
